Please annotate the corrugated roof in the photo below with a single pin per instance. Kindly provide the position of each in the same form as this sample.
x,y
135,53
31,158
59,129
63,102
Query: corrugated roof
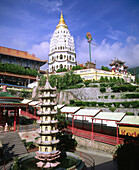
x,y
34,103
26,101
59,106
116,116
87,112
18,53
134,120
67,109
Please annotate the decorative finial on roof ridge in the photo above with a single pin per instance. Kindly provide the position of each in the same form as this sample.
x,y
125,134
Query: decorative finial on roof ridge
x,y
4,88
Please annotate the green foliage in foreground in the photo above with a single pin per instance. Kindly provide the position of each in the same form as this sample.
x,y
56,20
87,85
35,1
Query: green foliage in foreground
x,y
62,82
126,104
16,69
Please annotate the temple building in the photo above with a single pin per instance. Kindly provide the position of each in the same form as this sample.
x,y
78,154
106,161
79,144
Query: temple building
x,y
62,49
21,58
118,66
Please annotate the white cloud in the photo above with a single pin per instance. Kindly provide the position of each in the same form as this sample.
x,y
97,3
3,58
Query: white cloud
x,y
131,39
41,51
114,34
105,52
53,5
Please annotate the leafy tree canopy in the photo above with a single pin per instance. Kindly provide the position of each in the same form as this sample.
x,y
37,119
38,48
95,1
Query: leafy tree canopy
x,y
105,68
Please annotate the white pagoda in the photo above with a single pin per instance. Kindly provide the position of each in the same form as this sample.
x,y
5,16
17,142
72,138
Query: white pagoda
x,y
62,49
47,153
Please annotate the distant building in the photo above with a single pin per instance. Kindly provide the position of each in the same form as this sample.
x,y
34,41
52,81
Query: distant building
x,y
118,66
21,58
62,49
96,74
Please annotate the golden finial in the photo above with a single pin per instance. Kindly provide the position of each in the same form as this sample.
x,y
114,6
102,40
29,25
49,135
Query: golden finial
x,y
62,22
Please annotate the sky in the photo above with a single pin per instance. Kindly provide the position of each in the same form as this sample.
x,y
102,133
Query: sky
x,y
28,25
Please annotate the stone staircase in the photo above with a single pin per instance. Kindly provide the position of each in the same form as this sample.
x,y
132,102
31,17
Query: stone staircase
x,y
12,145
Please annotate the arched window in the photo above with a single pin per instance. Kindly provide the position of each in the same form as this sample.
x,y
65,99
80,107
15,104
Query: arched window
x,y
64,56
46,149
61,47
61,56
57,56
70,57
61,65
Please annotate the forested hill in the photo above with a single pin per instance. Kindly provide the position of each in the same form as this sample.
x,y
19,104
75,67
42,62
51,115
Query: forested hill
x,y
131,70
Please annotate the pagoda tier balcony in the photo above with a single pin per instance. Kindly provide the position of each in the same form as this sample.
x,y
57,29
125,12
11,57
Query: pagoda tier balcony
x,y
47,132
48,96
51,89
47,154
46,112
47,122
52,142
48,104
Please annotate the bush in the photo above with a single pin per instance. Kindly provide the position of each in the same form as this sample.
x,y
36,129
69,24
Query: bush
x,y
79,85
132,96
101,103
103,85
94,85
112,96
61,70
134,104
102,89
126,104
112,109
123,88
78,103
105,97
108,104
87,82
116,104
130,113
85,103
93,103
72,102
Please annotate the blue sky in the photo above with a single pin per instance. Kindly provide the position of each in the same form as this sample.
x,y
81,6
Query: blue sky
x,y
29,24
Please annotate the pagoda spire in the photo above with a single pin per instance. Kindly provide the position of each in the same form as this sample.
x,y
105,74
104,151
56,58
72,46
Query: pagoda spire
x,y
61,22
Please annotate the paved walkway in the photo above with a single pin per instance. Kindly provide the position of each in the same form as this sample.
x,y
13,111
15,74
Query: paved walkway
x,y
103,160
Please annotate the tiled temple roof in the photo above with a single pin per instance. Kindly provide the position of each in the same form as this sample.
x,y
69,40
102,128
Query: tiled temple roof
x,y
20,54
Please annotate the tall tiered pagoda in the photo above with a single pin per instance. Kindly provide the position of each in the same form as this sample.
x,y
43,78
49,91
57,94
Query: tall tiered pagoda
x,y
47,153
62,48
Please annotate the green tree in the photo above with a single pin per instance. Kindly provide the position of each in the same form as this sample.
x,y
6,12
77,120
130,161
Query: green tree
x,y
87,82
105,68
62,122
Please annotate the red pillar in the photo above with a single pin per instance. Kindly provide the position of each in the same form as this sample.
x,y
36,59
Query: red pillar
x,y
15,119
34,111
0,116
82,122
72,123
26,110
101,126
92,131
117,135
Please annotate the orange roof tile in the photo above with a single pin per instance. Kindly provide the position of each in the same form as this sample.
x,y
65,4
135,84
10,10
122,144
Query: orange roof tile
x,y
20,54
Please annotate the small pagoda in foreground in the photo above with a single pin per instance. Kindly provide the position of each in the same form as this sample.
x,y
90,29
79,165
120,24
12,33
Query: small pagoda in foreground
x,y
47,153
